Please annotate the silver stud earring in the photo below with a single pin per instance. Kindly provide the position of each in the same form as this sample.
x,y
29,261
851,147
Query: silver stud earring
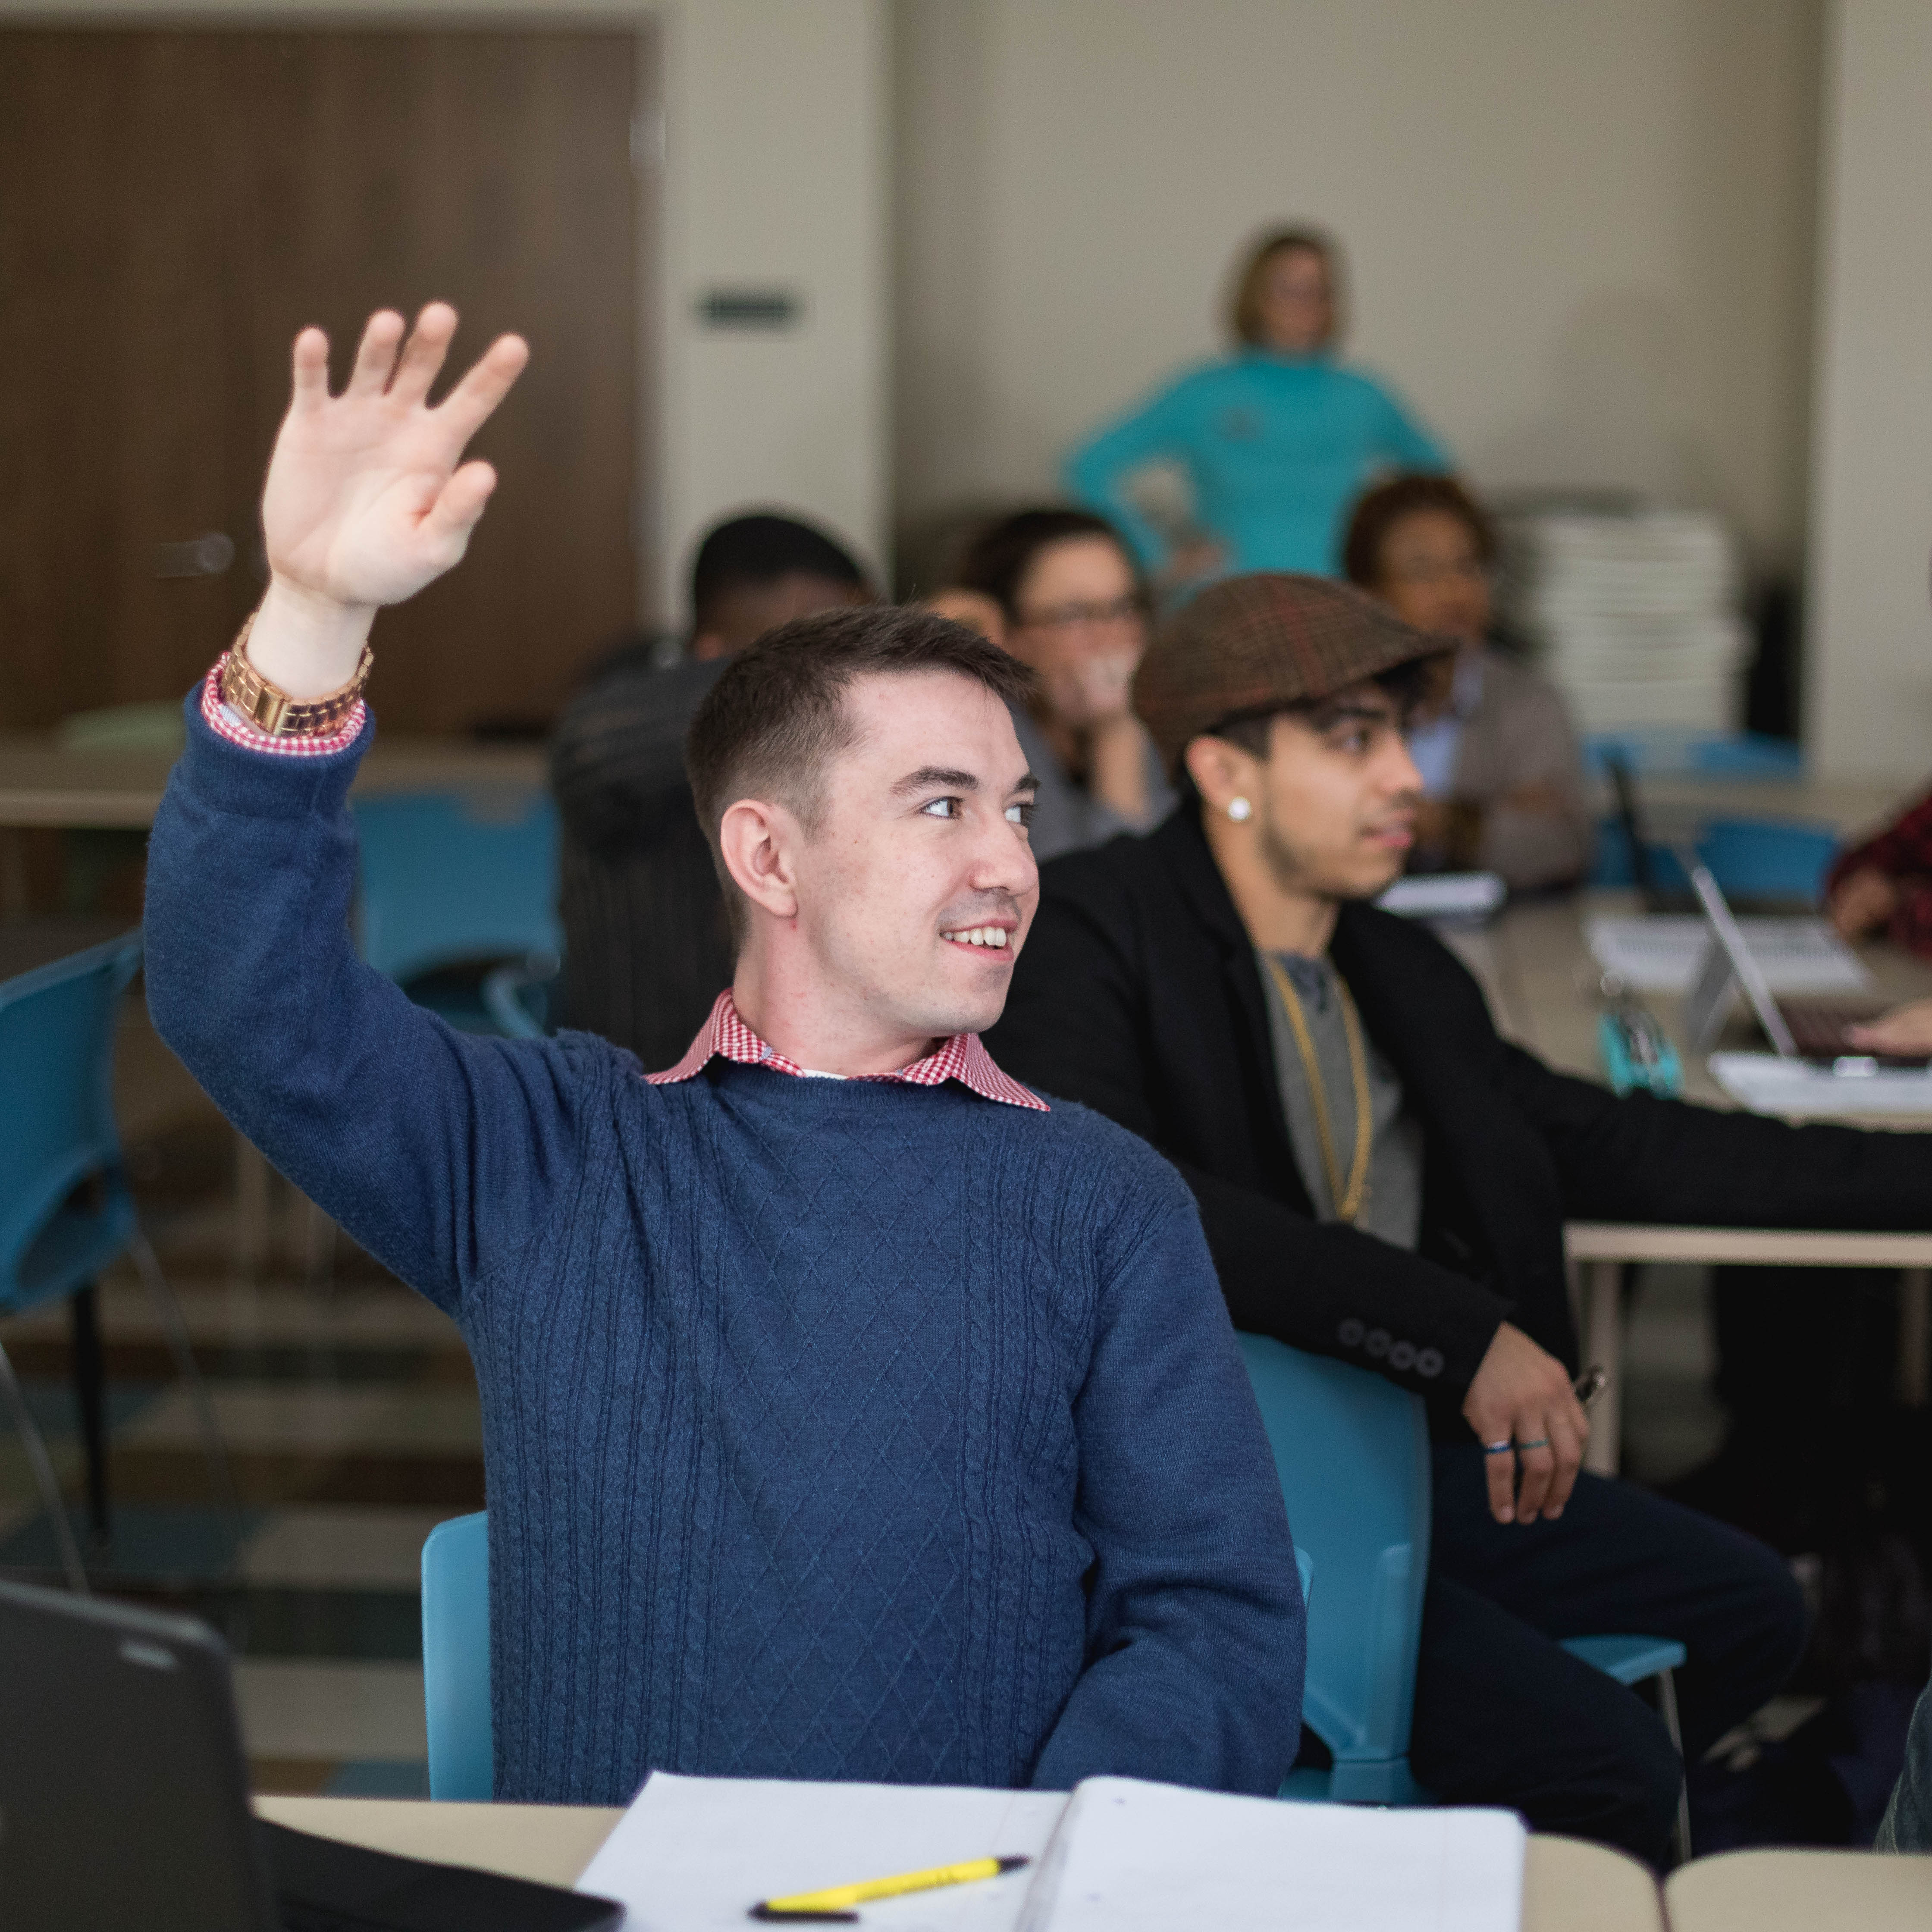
x,y
1240,810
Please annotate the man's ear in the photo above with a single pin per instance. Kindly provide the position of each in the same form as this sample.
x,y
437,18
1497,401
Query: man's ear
x,y
759,841
1221,772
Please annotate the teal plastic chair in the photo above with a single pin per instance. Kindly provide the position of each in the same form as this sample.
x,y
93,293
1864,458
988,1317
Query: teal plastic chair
x,y
519,996
1751,859
456,1658
452,878
1768,858
1352,1451
66,1211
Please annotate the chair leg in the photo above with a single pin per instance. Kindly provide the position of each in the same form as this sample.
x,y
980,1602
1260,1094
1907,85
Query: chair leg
x,y
1666,1708
45,1480
174,1325
90,1393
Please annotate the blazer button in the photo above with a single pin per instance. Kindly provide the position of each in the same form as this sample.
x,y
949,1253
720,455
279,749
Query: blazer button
x,y
1378,1343
1351,1333
1403,1355
1429,1363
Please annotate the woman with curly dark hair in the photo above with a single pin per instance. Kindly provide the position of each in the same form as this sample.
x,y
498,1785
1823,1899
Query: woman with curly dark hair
x,y
1499,760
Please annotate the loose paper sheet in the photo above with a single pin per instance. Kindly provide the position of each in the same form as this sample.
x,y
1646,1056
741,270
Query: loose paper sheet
x,y
696,1854
1130,1857
1663,955
1766,1084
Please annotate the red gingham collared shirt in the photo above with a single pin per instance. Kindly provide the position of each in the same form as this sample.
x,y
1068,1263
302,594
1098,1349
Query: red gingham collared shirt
x,y
239,730
963,1058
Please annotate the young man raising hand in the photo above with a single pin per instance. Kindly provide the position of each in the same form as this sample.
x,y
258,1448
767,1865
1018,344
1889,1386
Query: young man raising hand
x,y
848,1413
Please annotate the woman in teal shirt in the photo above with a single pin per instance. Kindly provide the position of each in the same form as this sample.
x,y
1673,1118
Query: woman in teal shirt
x,y
1278,440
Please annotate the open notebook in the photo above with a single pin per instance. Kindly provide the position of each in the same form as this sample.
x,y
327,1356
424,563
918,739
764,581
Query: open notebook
x,y
696,1854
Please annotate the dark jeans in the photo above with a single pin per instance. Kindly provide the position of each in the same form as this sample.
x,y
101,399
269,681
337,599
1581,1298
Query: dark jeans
x,y
1505,1716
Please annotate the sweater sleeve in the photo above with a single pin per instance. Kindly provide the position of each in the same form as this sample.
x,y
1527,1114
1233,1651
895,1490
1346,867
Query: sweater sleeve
x,y
1098,472
1404,442
1638,1158
440,1151
1196,1637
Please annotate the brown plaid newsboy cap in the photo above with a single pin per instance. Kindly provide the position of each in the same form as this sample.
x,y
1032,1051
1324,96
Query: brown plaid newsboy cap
x,y
1250,645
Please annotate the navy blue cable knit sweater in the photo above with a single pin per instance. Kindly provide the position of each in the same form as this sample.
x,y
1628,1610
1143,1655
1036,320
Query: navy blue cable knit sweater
x,y
831,1429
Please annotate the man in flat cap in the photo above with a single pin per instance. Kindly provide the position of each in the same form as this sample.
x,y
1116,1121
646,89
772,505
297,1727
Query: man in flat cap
x,y
1384,1179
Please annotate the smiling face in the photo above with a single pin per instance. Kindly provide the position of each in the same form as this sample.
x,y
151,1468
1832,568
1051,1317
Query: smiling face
x,y
890,913
1078,622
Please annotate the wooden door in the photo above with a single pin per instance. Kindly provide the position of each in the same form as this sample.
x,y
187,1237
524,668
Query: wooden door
x,y
174,205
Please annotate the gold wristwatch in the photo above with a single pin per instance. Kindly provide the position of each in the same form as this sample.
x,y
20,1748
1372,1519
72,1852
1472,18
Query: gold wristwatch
x,y
271,709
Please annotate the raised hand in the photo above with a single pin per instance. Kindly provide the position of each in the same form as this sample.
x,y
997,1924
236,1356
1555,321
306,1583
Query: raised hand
x,y
368,498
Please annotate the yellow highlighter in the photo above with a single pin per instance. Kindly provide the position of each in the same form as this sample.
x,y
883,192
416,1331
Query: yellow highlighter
x,y
836,1902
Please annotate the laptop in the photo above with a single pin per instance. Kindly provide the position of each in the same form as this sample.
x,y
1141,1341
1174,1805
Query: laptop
x,y
124,1801
1810,1030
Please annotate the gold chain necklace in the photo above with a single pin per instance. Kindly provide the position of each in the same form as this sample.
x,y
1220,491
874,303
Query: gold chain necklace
x,y
1349,1200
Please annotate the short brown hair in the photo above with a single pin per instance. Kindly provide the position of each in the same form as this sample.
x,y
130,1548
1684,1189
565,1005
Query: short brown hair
x,y
777,716
1244,304
1385,505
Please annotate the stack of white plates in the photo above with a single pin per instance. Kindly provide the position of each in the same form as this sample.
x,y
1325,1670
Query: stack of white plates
x,y
1635,616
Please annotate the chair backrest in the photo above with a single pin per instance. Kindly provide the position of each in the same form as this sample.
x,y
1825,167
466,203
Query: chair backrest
x,y
1352,1453
1768,858
57,1026
451,877
456,1658
520,994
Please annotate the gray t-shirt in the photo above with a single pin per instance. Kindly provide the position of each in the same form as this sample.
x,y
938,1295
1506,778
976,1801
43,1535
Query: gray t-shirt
x,y
1393,1209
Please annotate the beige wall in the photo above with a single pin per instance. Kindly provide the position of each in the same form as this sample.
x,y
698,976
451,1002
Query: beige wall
x,y
1869,700
777,136
774,171
1580,235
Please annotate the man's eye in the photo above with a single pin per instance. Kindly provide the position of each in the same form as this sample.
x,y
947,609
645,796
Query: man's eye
x,y
1020,812
941,807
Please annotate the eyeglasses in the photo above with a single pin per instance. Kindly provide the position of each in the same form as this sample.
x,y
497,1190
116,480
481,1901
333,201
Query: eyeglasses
x,y
1420,575
1129,609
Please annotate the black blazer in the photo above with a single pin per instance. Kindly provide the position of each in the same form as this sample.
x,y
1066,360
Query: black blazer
x,y
1138,994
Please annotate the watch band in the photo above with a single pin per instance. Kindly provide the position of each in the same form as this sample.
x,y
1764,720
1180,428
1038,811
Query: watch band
x,y
271,709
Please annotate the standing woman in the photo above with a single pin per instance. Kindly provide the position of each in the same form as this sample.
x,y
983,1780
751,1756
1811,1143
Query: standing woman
x,y
1277,439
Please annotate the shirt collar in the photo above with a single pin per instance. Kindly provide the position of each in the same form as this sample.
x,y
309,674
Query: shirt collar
x,y
963,1058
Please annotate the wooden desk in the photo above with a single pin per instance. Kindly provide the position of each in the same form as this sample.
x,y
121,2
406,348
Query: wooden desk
x,y
1537,972
41,785
1802,1892
1567,1886
1600,1249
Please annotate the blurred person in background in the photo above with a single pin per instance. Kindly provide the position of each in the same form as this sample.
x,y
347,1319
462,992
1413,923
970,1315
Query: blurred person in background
x,y
1057,589
647,947
1502,773
1276,440
1883,884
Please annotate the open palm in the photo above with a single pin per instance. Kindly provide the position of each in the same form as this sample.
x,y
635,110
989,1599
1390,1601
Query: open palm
x,y
368,498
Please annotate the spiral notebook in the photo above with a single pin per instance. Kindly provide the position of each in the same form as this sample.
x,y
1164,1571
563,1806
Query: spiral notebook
x,y
696,1854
